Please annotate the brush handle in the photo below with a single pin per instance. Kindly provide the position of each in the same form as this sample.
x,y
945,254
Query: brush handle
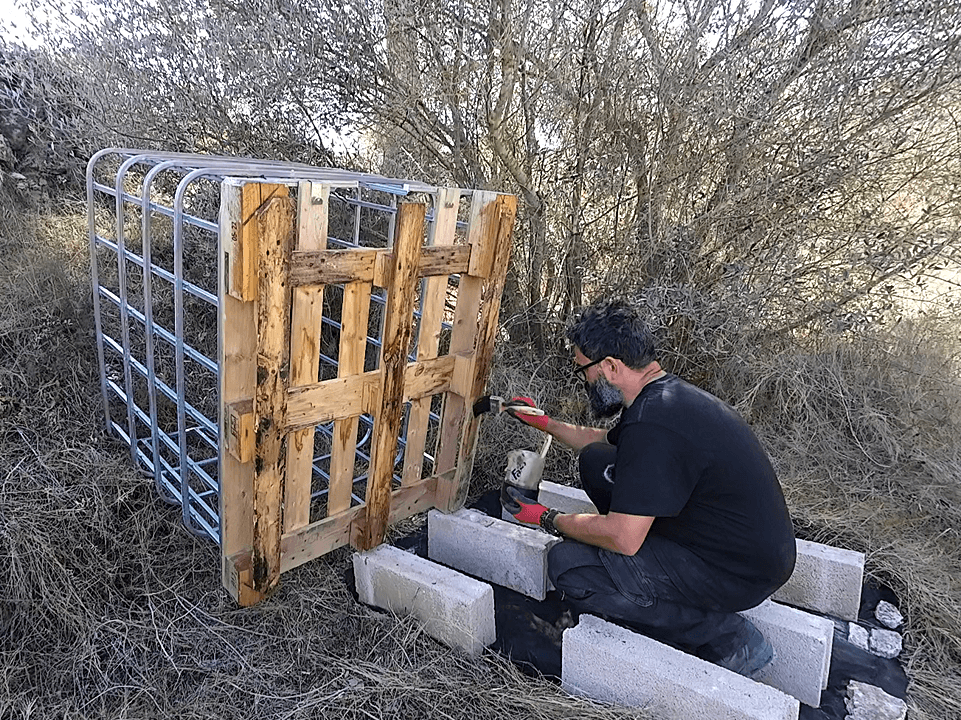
x,y
525,410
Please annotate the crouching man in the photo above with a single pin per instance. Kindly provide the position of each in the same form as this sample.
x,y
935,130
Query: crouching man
x,y
693,526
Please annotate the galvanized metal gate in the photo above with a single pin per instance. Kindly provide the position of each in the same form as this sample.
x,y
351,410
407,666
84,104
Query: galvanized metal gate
x,y
327,341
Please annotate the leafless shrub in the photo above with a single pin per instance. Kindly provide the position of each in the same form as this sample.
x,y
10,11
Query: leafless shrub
x,y
766,180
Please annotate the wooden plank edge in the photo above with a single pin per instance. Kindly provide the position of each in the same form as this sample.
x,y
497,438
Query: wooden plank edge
x,y
240,429
238,577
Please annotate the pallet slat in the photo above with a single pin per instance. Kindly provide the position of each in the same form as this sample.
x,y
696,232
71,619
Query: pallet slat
x,y
324,536
396,340
475,326
344,397
237,352
428,341
374,266
306,315
275,228
353,348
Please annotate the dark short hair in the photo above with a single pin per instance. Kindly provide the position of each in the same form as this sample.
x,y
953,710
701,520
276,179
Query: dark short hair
x,y
612,328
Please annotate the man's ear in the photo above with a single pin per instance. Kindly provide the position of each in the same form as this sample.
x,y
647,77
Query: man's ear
x,y
614,365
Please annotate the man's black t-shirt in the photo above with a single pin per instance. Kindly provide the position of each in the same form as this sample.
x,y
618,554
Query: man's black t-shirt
x,y
689,460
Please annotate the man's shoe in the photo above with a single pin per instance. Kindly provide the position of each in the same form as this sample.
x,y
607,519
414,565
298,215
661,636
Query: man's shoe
x,y
753,659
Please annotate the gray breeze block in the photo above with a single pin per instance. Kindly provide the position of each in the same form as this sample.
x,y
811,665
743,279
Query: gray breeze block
x,y
455,609
564,498
612,664
500,552
825,580
802,649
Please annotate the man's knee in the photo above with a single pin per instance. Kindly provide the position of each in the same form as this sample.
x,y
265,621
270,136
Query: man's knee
x,y
562,557
571,564
554,562
596,468
594,459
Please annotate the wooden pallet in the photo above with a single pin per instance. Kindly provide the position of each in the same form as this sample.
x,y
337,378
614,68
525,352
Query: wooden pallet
x,y
276,265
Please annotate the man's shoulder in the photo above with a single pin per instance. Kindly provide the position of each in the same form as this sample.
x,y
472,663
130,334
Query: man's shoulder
x,y
668,394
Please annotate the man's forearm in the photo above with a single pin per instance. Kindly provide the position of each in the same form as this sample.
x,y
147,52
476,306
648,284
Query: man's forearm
x,y
589,529
615,531
575,437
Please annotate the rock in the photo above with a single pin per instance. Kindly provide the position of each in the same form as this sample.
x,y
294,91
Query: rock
x,y
885,643
18,176
888,615
867,702
858,636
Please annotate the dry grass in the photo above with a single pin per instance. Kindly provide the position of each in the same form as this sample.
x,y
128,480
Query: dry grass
x,y
864,432
108,608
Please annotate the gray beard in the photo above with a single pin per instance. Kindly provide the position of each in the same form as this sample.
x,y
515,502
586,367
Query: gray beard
x,y
606,400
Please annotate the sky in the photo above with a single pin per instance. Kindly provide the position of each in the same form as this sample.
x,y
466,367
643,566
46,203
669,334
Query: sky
x,y
14,21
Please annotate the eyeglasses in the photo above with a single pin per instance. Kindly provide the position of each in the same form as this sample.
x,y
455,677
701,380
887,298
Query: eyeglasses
x,y
580,372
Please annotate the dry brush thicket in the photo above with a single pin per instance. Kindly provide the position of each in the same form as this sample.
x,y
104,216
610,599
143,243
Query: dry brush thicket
x,y
775,183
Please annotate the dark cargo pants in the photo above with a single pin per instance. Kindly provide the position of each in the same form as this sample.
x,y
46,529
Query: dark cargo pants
x,y
637,591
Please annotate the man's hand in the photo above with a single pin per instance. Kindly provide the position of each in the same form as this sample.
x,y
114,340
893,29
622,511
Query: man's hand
x,y
515,408
527,512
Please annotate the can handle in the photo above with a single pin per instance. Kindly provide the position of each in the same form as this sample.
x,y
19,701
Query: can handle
x,y
547,445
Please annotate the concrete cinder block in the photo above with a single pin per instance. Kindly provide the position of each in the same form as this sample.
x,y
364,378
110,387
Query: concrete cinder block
x,y
455,609
564,498
825,580
609,663
500,552
802,649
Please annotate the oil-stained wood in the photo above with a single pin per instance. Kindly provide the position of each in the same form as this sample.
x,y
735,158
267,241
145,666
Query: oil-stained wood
x,y
269,360
353,346
237,355
396,339
428,340
330,533
306,315
442,259
428,377
331,400
459,434
333,266
275,228
373,266
357,394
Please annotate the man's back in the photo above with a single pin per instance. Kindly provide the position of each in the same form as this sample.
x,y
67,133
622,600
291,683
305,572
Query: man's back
x,y
688,459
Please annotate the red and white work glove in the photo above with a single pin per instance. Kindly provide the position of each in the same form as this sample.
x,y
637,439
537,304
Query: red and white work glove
x,y
515,408
527,512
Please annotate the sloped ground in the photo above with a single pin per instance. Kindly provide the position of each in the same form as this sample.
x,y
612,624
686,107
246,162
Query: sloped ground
x,y
108,608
